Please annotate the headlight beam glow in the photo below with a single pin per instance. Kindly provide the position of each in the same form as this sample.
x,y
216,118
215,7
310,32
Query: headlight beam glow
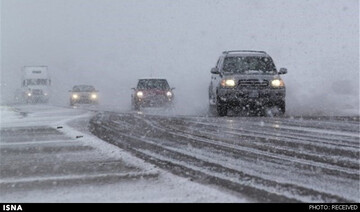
x,y
277,83
75,96
139,94
228,83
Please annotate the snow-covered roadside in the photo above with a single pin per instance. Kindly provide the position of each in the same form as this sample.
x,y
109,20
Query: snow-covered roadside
x,y
73,122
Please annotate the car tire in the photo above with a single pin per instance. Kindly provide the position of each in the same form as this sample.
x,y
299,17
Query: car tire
x,y
212,110
282,107
221,109
136,107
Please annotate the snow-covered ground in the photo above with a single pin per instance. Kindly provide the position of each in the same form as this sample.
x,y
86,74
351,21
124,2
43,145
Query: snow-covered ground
x,y
23,178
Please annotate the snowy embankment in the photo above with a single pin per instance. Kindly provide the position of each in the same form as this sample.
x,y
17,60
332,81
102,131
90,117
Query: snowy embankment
x,y
48,155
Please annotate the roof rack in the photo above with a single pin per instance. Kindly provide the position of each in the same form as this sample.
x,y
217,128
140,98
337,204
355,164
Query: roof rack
x,y
227,52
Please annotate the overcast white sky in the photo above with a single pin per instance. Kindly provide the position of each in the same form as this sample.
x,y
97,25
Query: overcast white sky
x,y
111,43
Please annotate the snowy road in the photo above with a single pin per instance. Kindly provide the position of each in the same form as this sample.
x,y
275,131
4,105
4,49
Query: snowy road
x,y
267,159
47,154
50,150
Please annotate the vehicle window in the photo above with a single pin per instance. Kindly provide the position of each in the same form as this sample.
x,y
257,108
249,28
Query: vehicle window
x,y
153,84
217,63
36,81
83,88
249,65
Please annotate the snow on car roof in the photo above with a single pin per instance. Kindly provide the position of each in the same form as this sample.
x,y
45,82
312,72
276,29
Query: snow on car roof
x,y
258,54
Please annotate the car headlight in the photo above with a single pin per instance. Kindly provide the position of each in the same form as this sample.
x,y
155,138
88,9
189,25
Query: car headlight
x,y
228,83
75,96
93,96
29,94
169,94
139,94
277,83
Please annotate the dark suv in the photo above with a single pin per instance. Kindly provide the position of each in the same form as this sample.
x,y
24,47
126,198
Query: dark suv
x,y
152,92
246,79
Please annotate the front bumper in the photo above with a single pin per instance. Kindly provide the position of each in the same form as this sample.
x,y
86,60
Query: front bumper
x,y
84,101
233,96
153,101
37,98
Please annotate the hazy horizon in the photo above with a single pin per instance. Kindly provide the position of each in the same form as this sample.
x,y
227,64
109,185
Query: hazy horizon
x,y
110,44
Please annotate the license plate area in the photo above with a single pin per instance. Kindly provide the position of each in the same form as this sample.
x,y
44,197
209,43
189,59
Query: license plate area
x,y
254,94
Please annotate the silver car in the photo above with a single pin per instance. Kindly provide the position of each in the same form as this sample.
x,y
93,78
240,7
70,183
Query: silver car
x,y
84,94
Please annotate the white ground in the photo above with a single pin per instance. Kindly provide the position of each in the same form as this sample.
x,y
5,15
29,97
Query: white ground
x,y
166,188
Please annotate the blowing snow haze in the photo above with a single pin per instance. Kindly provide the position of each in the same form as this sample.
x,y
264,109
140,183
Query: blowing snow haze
x,y
110,44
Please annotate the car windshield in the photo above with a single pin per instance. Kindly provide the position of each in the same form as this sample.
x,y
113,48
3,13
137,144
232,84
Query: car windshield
x,y
83,88
160,84
249,65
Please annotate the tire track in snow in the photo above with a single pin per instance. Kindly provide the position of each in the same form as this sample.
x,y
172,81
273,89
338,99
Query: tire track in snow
x,y
146,142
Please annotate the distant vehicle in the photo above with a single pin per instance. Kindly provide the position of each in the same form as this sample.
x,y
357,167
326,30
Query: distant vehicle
x,y
248,79
84,94
35,85
152,92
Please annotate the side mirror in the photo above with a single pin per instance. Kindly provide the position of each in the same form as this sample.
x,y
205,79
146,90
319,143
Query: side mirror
x,y
282,71
215,71
70,90
133,89
172,88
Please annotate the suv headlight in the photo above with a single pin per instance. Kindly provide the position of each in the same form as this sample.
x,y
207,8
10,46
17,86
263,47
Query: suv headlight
x,y
139,94
75,96
228,83
169,94
277,83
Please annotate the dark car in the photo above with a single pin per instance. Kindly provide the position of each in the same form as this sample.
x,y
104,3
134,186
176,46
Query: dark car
x,y
247,80
152,92
84,94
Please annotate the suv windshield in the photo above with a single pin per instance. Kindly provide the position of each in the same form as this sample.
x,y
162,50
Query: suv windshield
x,y
83,88
160,84
249,65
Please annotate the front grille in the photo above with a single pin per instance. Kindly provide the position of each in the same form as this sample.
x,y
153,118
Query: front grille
x,y
253,83
37,92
